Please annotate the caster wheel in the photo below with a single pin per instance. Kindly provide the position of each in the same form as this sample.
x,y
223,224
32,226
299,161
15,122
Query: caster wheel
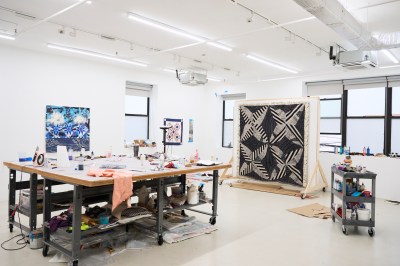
x,y
45,250
302,196
75,263
220,182
344,230
371,232
183,213
11,228
160,240
323,189
213,220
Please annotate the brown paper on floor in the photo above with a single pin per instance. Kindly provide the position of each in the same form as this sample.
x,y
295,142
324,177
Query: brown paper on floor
x,y
314,210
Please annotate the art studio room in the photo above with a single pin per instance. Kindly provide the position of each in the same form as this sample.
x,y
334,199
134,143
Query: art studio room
x,y
200,132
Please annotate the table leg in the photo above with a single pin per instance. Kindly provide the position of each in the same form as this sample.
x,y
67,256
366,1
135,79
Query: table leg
x,y
11,198
46,214
213,218
160,203
76,222
33,201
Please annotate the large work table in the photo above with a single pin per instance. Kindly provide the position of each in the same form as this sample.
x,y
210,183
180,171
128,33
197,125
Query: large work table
x,y
88,190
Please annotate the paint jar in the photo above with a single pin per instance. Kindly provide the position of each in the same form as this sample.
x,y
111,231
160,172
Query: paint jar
x,y
192,195
363,214
103,219
36,239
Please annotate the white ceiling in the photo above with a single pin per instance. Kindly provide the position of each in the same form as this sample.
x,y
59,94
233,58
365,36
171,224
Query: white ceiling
x,y
219,20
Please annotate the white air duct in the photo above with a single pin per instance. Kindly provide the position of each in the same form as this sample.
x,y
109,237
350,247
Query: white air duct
x,y
334,15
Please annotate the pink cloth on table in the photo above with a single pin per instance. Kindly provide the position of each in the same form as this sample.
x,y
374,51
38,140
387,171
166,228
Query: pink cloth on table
x,y
122,185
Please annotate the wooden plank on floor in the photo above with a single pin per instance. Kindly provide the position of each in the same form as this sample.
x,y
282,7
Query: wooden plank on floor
x,y
266,188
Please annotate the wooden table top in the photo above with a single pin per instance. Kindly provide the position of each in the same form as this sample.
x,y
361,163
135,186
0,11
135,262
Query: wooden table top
x,y
75,177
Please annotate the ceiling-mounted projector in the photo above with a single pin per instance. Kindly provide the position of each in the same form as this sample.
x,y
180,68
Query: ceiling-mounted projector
x,y
190,77
354,60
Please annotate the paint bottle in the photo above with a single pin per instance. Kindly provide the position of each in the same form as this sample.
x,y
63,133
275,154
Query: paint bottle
x,y
368,151
142,159
196,156
92,155
364,151
80,162
70,154
162,160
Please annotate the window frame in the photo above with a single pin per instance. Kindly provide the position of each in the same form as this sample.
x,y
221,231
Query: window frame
x,y
332,133
143,115
333,117
388,117
223,124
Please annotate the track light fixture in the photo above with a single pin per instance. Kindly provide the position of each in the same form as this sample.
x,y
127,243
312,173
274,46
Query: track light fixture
x,y
250,19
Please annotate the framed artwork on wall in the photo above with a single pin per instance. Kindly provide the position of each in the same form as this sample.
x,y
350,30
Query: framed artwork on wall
x,y
67,126
175,132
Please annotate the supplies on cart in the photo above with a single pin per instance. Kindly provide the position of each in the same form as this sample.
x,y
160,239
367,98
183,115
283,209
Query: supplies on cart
x,y
25,198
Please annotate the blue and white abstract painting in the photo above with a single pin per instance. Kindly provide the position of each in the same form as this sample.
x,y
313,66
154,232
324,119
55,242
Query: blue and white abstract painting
x,y
67,126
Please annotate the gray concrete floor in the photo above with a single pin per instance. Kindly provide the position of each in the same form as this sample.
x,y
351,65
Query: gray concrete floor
x,y
254,228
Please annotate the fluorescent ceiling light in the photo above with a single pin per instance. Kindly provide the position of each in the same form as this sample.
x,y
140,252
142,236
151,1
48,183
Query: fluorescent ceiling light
x,y
171,29
220,46
169,70
89,2
263,61
165,27
94,54
6,36
274,79
392,66
390,56
214,79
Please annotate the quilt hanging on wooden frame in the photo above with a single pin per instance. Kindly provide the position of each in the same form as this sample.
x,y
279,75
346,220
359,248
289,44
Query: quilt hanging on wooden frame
x,y
273,142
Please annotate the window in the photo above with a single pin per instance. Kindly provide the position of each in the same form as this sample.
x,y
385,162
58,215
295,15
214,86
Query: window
x,y
330,123
366,113
136,117
228,105
395,142
227,125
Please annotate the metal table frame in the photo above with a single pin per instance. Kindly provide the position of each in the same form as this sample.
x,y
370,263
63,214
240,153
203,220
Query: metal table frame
x,y
80,193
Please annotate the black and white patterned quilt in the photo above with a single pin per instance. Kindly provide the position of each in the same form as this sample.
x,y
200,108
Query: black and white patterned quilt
x,y
273,142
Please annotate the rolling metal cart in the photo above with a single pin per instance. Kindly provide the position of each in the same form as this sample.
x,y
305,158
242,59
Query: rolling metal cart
x,y
342,195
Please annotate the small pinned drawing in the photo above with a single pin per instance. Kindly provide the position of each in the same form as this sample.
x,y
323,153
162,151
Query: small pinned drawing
x,y
174,133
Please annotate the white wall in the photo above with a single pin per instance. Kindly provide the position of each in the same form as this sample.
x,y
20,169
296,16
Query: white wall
x,y
29,81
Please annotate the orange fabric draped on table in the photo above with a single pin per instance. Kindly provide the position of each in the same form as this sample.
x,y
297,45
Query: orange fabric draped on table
x,y
122,185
